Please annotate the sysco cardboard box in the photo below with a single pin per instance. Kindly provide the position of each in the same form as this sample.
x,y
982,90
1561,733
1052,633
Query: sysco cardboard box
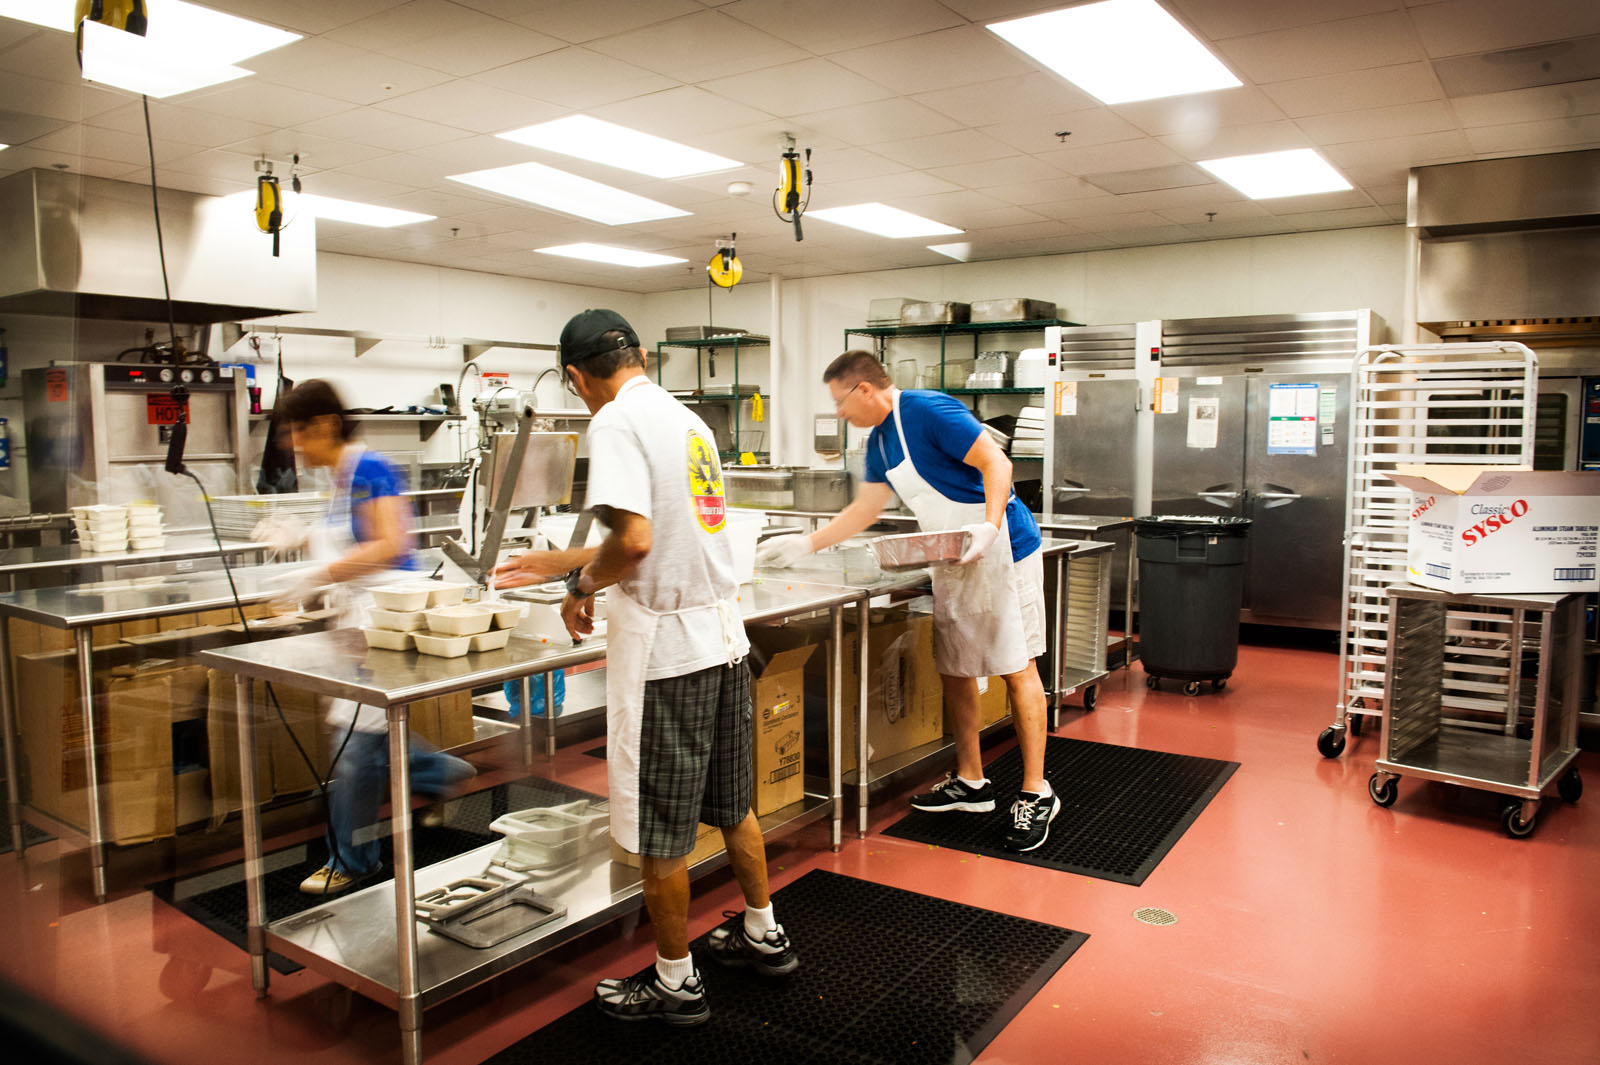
x,y
1495,529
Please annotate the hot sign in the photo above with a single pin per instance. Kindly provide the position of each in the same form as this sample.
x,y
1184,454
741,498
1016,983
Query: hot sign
x,y
162,409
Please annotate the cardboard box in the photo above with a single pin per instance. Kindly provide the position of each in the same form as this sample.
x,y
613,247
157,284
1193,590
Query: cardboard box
x,y
777,729
994,701
1502,529
222,739
905,699
707,842
136,759
455,720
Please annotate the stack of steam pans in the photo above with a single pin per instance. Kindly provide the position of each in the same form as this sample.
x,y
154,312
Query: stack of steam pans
x,y
703,332
237,516
1013,309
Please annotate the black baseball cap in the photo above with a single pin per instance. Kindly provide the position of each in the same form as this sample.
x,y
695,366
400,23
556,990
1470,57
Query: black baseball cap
x,y
584,335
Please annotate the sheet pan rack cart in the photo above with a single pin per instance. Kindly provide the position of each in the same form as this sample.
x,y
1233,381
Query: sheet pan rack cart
x,y
1519,750
1471,404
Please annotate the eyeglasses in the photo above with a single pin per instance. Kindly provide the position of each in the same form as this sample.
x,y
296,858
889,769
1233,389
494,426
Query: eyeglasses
x,y
566,379
838,404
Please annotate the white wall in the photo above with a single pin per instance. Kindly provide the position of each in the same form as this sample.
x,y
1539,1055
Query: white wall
x,y
1334,270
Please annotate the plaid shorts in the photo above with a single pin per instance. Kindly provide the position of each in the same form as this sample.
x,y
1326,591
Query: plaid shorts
x,y
694,757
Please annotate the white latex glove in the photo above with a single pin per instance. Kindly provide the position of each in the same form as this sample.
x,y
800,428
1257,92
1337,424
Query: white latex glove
x,y
297,589
983,538
284,535
781,552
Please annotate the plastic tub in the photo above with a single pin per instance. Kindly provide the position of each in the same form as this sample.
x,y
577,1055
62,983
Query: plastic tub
x,y
493,640
465,620
441,646
549,835
388,639
397,620
410,596
744,530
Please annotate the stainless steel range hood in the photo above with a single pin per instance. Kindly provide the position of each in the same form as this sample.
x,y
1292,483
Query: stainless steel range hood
x,y
1508,239
86,247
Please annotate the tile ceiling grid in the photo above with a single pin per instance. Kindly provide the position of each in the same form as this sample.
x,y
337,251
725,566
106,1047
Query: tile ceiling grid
x,y
911,102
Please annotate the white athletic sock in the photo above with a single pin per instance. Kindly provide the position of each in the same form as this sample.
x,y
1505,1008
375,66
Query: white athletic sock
x,y
758,922
975,785
1044,792
674,972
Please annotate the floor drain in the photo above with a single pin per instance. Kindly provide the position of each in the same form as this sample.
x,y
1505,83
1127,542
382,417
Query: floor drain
x,y
1153,915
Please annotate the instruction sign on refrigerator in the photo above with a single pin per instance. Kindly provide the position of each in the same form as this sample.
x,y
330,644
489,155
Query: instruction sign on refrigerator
x,y
1292,419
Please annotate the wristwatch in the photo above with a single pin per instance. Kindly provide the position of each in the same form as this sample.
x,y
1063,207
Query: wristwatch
x,y
572,583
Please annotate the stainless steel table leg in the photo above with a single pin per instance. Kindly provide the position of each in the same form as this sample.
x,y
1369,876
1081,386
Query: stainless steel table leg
x,y
8,721
549,714
836,724
83,640
1056,642
405,890
525,722
254,869
862,611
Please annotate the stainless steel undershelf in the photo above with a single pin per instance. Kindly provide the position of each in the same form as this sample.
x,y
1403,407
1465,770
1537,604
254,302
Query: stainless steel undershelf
x,y
351,939
1475,758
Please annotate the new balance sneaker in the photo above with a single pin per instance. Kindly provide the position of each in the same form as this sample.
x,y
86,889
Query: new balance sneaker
x,y
951,796
771,955
1030,821
646,998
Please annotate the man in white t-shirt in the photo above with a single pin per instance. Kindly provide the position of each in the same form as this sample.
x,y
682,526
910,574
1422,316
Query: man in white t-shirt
x,y
677,682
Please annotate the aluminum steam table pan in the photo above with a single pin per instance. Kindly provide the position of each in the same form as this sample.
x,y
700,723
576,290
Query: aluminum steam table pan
x,y
1013,309
915,550
938,313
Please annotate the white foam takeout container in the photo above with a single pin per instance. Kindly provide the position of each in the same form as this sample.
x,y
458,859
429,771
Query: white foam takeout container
x,y
465,620
388,639
441,646
493,640
411,595
397,620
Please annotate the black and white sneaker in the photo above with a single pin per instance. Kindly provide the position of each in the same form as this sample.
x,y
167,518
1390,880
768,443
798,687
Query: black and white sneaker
x,y
952,796
1030,821
646,998
771,955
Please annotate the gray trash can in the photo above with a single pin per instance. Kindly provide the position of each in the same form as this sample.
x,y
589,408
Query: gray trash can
x,y
1191,586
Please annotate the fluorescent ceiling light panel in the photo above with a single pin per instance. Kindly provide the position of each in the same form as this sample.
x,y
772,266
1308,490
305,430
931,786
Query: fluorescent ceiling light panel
x,y
51,14
560,191
1298,172
605,253
883,220
361,214
188,47
960,252
1119,51
604,142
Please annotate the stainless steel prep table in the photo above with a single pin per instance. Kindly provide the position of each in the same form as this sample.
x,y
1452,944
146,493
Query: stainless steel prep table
x,y
66,558
345,939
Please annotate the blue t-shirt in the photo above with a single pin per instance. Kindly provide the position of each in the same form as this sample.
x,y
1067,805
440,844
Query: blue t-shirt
x,y
374,478
940,432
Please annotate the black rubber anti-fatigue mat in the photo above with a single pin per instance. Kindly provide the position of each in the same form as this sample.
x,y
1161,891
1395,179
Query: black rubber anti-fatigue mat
x,y
597,752
1122,809
886,977
217,898
30,833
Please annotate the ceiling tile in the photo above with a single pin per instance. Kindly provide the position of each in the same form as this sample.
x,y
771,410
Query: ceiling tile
x,y
679,113
1150,236
954,208
1555,133
1050,227
577,21
685,44
1218,19
1201,198
446,36
404,168
1346,219
1150,179
825,26
383,129
1051,191
475,153
1325,201
316,153
1443,147
472,105
890,190
183,125
1011,170
1064,245
1237,140
1327,93
1404,120
979,104
255,100
939,60
1555,63
47,54
774,90
14,32
235,168
23,157
303,16
354,187
114,145
67,102
1327,48
1121,155
1086,128
1201,111
570,77
940,149
1465,26
16,128
1108,223
874,123
328,68
1238,211
1244,227
1529,105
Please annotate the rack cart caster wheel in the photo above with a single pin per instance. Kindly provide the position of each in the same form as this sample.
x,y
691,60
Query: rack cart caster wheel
x,y
1218,684
1331,742
1524,730
1511,820
1152,682
1570,786
1383,789
1191,687
1356,724
1090,694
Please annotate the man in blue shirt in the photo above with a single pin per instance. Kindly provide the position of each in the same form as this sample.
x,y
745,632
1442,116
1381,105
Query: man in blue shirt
x,y
988,617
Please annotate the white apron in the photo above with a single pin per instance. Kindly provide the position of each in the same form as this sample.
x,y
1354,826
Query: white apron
x,y
977,618
630,635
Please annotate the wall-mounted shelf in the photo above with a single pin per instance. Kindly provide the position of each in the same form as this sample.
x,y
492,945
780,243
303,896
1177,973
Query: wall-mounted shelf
x,y
954,328
427,424
995,391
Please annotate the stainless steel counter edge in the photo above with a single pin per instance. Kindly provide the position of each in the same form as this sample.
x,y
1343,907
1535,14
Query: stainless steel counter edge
x,y
22,559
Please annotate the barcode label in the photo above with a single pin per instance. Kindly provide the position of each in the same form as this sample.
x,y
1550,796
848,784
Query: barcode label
x,y
783,772
1435,569
1574,573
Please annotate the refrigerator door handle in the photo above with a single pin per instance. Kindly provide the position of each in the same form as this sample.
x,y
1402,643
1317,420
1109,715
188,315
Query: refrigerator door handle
x,y
1277,496
1063,490
1216,495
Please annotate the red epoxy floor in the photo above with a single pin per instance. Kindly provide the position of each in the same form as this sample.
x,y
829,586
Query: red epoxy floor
x,y
1312,925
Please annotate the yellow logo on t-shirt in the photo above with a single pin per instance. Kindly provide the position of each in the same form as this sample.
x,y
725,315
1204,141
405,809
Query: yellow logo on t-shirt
x,y
705,484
